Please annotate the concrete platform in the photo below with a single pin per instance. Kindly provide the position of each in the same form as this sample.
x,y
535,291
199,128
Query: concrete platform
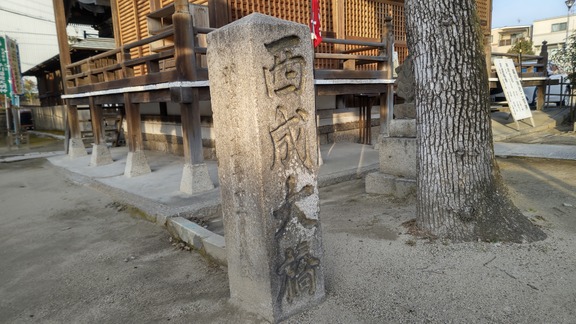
x,y
504,127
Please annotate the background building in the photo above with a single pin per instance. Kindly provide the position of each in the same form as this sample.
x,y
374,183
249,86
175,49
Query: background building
x,y
502,39
553,30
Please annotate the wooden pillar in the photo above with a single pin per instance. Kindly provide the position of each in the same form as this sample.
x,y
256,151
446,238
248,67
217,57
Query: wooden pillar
x,y
185,57
134,136
195,176
541,89
163,109
73,121
136,163
100,152
115,21
339,21
218,10
387,99
76,147
97,117
339,26
191,132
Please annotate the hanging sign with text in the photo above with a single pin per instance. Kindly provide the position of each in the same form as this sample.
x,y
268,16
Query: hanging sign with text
x,y
15,70
512,89
5,82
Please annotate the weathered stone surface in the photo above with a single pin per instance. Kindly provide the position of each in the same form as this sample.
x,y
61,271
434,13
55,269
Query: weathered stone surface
x,y
402,128
195,179
406,83
100,155
405,111
136,164
76,148
263,101
386,184
398,156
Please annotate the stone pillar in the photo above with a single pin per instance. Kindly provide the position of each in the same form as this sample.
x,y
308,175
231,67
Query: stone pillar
x,y
261,85
397,148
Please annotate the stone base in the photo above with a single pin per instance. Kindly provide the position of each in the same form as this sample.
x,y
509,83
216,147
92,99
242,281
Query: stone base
x,y
398,156
76,148
385,184
195,179
406,110
100,155
402,128
136,164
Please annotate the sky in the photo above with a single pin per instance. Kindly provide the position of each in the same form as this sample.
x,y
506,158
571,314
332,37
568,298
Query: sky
x,y
524,12
31,23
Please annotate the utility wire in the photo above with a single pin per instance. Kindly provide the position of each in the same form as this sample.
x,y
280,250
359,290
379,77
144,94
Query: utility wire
x,y
23,32
26,15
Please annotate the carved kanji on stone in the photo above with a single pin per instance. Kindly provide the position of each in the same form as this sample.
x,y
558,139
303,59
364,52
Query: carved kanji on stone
x,y
299,271
289,138
285,76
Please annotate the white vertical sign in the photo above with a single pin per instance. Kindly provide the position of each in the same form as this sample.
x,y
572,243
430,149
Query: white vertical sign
x,y
512,89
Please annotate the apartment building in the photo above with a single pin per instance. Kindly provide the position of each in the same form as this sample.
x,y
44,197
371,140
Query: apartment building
x,y
502,39
552,30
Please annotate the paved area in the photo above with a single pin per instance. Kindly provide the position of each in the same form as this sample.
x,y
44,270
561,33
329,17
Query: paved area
x,y
544,151
504,127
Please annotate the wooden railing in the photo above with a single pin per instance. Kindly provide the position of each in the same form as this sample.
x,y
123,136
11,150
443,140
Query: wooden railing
x,y
527,65
364,60
117,68
357,59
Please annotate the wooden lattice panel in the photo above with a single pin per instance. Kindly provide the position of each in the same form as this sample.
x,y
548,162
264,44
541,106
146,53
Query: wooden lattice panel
x,y
365,18
293,10
126,19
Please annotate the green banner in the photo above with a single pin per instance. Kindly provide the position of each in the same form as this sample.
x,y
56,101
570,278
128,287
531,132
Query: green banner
x,y
5,84
14,61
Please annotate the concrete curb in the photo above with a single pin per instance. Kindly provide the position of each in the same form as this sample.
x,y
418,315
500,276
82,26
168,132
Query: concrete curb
x,y
29,156
43,134
207,242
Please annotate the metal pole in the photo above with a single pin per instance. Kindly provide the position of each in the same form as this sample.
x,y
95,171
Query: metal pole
x,y
567,28
569,4
7,113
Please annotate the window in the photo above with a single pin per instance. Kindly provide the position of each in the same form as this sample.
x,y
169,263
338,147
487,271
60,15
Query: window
x,y
558,27
516,38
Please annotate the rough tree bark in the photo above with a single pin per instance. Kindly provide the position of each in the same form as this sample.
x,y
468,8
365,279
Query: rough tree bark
x,y
461,195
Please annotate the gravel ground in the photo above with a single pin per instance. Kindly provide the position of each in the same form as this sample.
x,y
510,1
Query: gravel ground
x,y
70,254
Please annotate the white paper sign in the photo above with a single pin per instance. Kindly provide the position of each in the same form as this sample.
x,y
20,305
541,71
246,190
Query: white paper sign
x,y
512,89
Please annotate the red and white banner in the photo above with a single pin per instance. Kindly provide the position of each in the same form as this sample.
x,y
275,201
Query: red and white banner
x,y
315,23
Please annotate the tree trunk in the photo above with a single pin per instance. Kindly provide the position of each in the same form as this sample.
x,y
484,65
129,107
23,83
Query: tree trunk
x,y
461,195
